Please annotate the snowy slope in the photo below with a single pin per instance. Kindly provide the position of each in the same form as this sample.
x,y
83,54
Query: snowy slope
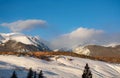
x,y
60,68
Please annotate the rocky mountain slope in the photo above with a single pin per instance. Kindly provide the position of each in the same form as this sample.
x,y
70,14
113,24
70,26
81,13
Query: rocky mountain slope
x,y
97,50
17,42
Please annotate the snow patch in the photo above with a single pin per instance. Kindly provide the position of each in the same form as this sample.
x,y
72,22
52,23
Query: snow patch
x,y
82,50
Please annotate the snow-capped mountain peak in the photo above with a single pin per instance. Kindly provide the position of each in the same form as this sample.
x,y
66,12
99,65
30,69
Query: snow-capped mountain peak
x,y
35,42
19,37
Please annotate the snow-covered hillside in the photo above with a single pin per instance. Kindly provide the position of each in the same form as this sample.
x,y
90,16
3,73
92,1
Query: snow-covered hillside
x,y
58,68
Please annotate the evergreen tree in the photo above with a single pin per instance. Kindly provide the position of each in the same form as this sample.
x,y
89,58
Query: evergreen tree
x,y
30,73
35,74
87,73
40,75
14,75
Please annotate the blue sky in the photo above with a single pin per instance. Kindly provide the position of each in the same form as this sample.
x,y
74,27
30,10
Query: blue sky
x,y
62,16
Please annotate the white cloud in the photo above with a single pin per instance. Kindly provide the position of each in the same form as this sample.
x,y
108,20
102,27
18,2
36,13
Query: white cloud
x,y
83,33
85,36
21,25
80,36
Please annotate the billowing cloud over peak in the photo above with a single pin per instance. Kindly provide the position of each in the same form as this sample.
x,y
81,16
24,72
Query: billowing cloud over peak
x,y
85,36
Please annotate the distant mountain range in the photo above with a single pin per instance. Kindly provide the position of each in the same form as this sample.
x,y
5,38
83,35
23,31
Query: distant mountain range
x,y
17,42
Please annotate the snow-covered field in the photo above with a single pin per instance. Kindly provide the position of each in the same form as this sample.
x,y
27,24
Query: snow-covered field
x,y
60,68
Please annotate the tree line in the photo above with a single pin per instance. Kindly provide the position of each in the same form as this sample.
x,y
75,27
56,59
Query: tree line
x,y
32,74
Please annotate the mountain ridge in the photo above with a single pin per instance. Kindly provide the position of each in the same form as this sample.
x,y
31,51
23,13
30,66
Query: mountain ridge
x,y
98,50
18,42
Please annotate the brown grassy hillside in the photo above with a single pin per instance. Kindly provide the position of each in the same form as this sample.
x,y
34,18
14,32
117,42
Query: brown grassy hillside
x,y
46,55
